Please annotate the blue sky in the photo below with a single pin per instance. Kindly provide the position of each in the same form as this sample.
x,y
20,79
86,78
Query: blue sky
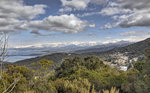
x,y
41,22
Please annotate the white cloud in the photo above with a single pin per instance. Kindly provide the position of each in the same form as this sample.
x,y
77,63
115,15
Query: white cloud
x,y
129,39
16,16
109,11
108,26
98,2
137,38
63,23
92,25
128,13
134,4
69,5
138,18
74,5
112,41
59,44
13,14
65,9
88,14
16,9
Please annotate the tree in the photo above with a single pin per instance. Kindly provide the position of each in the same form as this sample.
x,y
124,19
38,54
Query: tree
x,y
139,65
16,79
43,68
143,82
113,90
93,62
75,86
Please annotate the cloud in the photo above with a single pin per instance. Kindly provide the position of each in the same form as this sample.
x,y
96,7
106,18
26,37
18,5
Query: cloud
x,y
134,4
92,25
70,5
109,11
112,41
128,13
129,39
63,23
132,33
40,34
59,44
137,38
98,2
14,14
138,18
109,26
88,14
16,9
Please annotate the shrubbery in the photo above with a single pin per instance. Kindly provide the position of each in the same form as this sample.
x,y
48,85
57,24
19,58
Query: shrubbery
x,y
77,75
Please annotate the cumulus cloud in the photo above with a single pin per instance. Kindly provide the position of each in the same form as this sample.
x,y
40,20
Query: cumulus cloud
x,y
109,11
16,9
63,23
69,5
88,14
108,26
92,25
74,4
128,13
134,4
138,18
14,14
98,2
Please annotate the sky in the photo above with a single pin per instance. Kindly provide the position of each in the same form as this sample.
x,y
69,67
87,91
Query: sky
x,y
41,23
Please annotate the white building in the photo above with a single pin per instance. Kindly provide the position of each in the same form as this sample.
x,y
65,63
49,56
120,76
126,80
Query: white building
x,y
124,68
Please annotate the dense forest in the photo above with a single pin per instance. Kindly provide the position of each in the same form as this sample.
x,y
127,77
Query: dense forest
x,y
76,75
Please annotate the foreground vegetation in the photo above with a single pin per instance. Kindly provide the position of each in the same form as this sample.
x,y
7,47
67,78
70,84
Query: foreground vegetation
x,y
76,75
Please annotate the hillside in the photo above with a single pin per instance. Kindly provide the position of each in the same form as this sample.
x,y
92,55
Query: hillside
x,y
56,58
133,50
104,47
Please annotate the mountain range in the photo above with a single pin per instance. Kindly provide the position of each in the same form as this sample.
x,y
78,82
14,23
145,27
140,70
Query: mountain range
x,y
133,49
21,53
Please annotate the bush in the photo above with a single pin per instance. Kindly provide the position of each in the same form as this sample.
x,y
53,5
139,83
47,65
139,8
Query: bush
x,y
75,86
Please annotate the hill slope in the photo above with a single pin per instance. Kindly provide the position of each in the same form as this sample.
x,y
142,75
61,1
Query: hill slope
x,y
133,50
104,47
56,58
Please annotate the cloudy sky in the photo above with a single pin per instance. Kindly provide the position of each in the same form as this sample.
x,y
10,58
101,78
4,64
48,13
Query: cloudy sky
x,y
52,22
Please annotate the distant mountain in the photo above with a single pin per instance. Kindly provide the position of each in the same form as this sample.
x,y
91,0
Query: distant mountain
x,y
104,47
16,54
38,51
134,50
